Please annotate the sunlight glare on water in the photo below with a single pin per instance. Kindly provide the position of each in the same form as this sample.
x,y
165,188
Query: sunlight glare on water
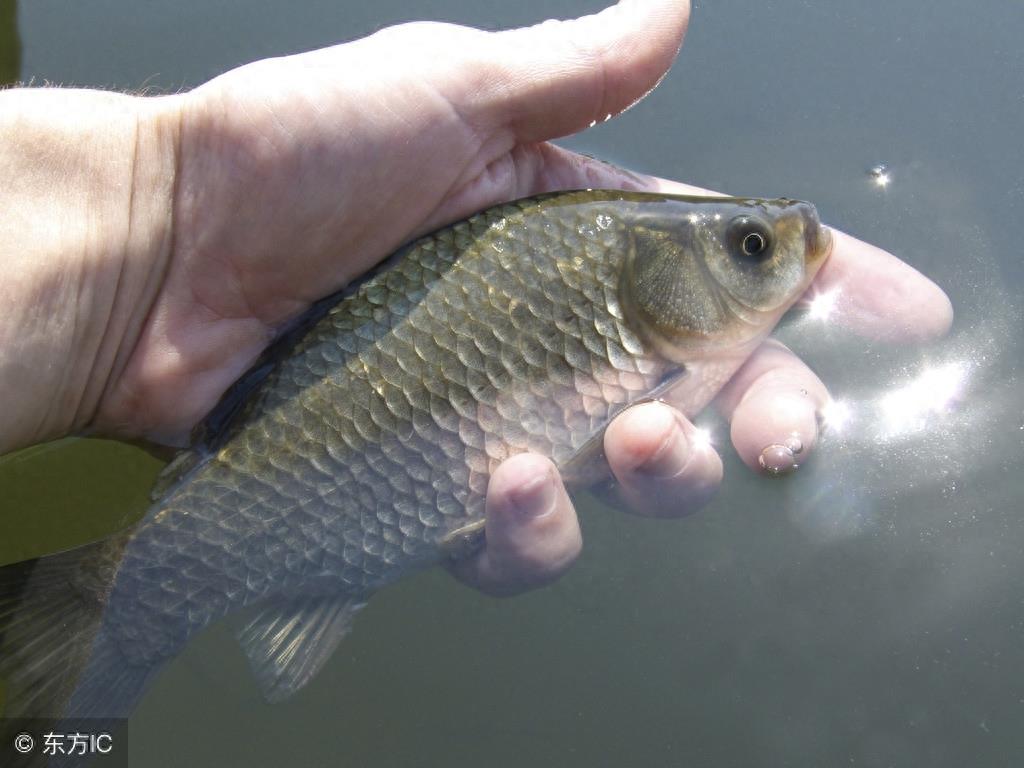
x,y
823,305
928,396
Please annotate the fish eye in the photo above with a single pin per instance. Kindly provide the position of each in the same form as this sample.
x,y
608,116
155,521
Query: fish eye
x,y
753,244
749,238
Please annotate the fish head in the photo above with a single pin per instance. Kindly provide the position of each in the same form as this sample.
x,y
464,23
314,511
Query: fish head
x,y
714,275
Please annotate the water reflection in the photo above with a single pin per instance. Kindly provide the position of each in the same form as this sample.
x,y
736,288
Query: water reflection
x,y
923,401
879,174
899,425
823,305
701,439
835,416
10,43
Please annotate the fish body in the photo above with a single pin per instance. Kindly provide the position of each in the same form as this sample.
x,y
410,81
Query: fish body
x,y
359,447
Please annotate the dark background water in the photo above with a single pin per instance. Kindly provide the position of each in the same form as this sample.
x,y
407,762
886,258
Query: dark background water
x,y
869,611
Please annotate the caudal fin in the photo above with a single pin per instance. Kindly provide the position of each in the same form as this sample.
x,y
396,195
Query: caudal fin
x,y
50,612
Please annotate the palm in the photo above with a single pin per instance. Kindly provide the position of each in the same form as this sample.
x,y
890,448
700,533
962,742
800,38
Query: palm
x,y
286,192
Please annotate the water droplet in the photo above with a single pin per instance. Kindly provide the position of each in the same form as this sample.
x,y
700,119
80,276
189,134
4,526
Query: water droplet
x,y
604,220
498,245
499,224
777,460
795,444
586,230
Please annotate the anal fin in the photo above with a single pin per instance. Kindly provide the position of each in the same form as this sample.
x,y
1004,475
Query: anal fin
x,y
289,641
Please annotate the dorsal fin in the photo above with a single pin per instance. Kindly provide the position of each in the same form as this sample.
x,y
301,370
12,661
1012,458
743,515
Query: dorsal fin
x,y
289,641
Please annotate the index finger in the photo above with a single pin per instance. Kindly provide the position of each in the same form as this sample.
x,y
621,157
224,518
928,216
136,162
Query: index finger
x,y
874,294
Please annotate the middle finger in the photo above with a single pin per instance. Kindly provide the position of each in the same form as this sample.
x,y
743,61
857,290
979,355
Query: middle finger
x,y
773,403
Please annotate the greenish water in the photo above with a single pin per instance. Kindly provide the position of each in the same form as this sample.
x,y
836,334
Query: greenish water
x,y
867,612
10,45
63,494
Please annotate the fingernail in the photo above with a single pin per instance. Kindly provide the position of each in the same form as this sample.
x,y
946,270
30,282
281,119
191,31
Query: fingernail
x,y
779,459
670,457
536,497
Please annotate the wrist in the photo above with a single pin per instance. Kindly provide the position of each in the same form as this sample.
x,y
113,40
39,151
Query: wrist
x,y
86,235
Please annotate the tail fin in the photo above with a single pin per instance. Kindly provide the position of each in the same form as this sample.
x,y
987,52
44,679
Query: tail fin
x,y
50,612
109,688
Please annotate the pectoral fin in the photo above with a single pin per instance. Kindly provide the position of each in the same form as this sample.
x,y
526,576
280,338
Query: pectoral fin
x,y
588,466
465,541
288,642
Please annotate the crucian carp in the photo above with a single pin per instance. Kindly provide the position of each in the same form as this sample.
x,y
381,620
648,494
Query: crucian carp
x,y
358,448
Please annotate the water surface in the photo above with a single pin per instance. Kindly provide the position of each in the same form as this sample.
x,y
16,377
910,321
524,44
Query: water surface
x,y
869,611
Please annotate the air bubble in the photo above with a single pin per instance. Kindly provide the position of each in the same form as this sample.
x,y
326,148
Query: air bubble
x,y
778,459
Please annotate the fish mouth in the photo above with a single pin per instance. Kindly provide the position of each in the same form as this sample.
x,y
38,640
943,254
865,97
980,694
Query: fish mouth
x,y
819,243
817,237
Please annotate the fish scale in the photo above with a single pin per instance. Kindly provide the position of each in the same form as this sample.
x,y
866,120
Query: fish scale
x,y
360,446
413,427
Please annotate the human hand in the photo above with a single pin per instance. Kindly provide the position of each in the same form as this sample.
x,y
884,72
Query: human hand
x,y
295,175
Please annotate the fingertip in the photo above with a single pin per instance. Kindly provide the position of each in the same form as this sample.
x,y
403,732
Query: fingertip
x,y
772,404
532,534
665,466
523,487
774,433
647,439
939,310
881,296
599,65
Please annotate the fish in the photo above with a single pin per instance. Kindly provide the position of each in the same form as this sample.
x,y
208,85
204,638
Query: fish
x,y
358,448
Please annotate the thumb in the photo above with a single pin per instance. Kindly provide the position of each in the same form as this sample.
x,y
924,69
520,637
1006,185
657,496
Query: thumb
x,y
558,77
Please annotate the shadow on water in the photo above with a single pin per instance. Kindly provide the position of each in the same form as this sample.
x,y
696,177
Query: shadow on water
x,y
10,43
